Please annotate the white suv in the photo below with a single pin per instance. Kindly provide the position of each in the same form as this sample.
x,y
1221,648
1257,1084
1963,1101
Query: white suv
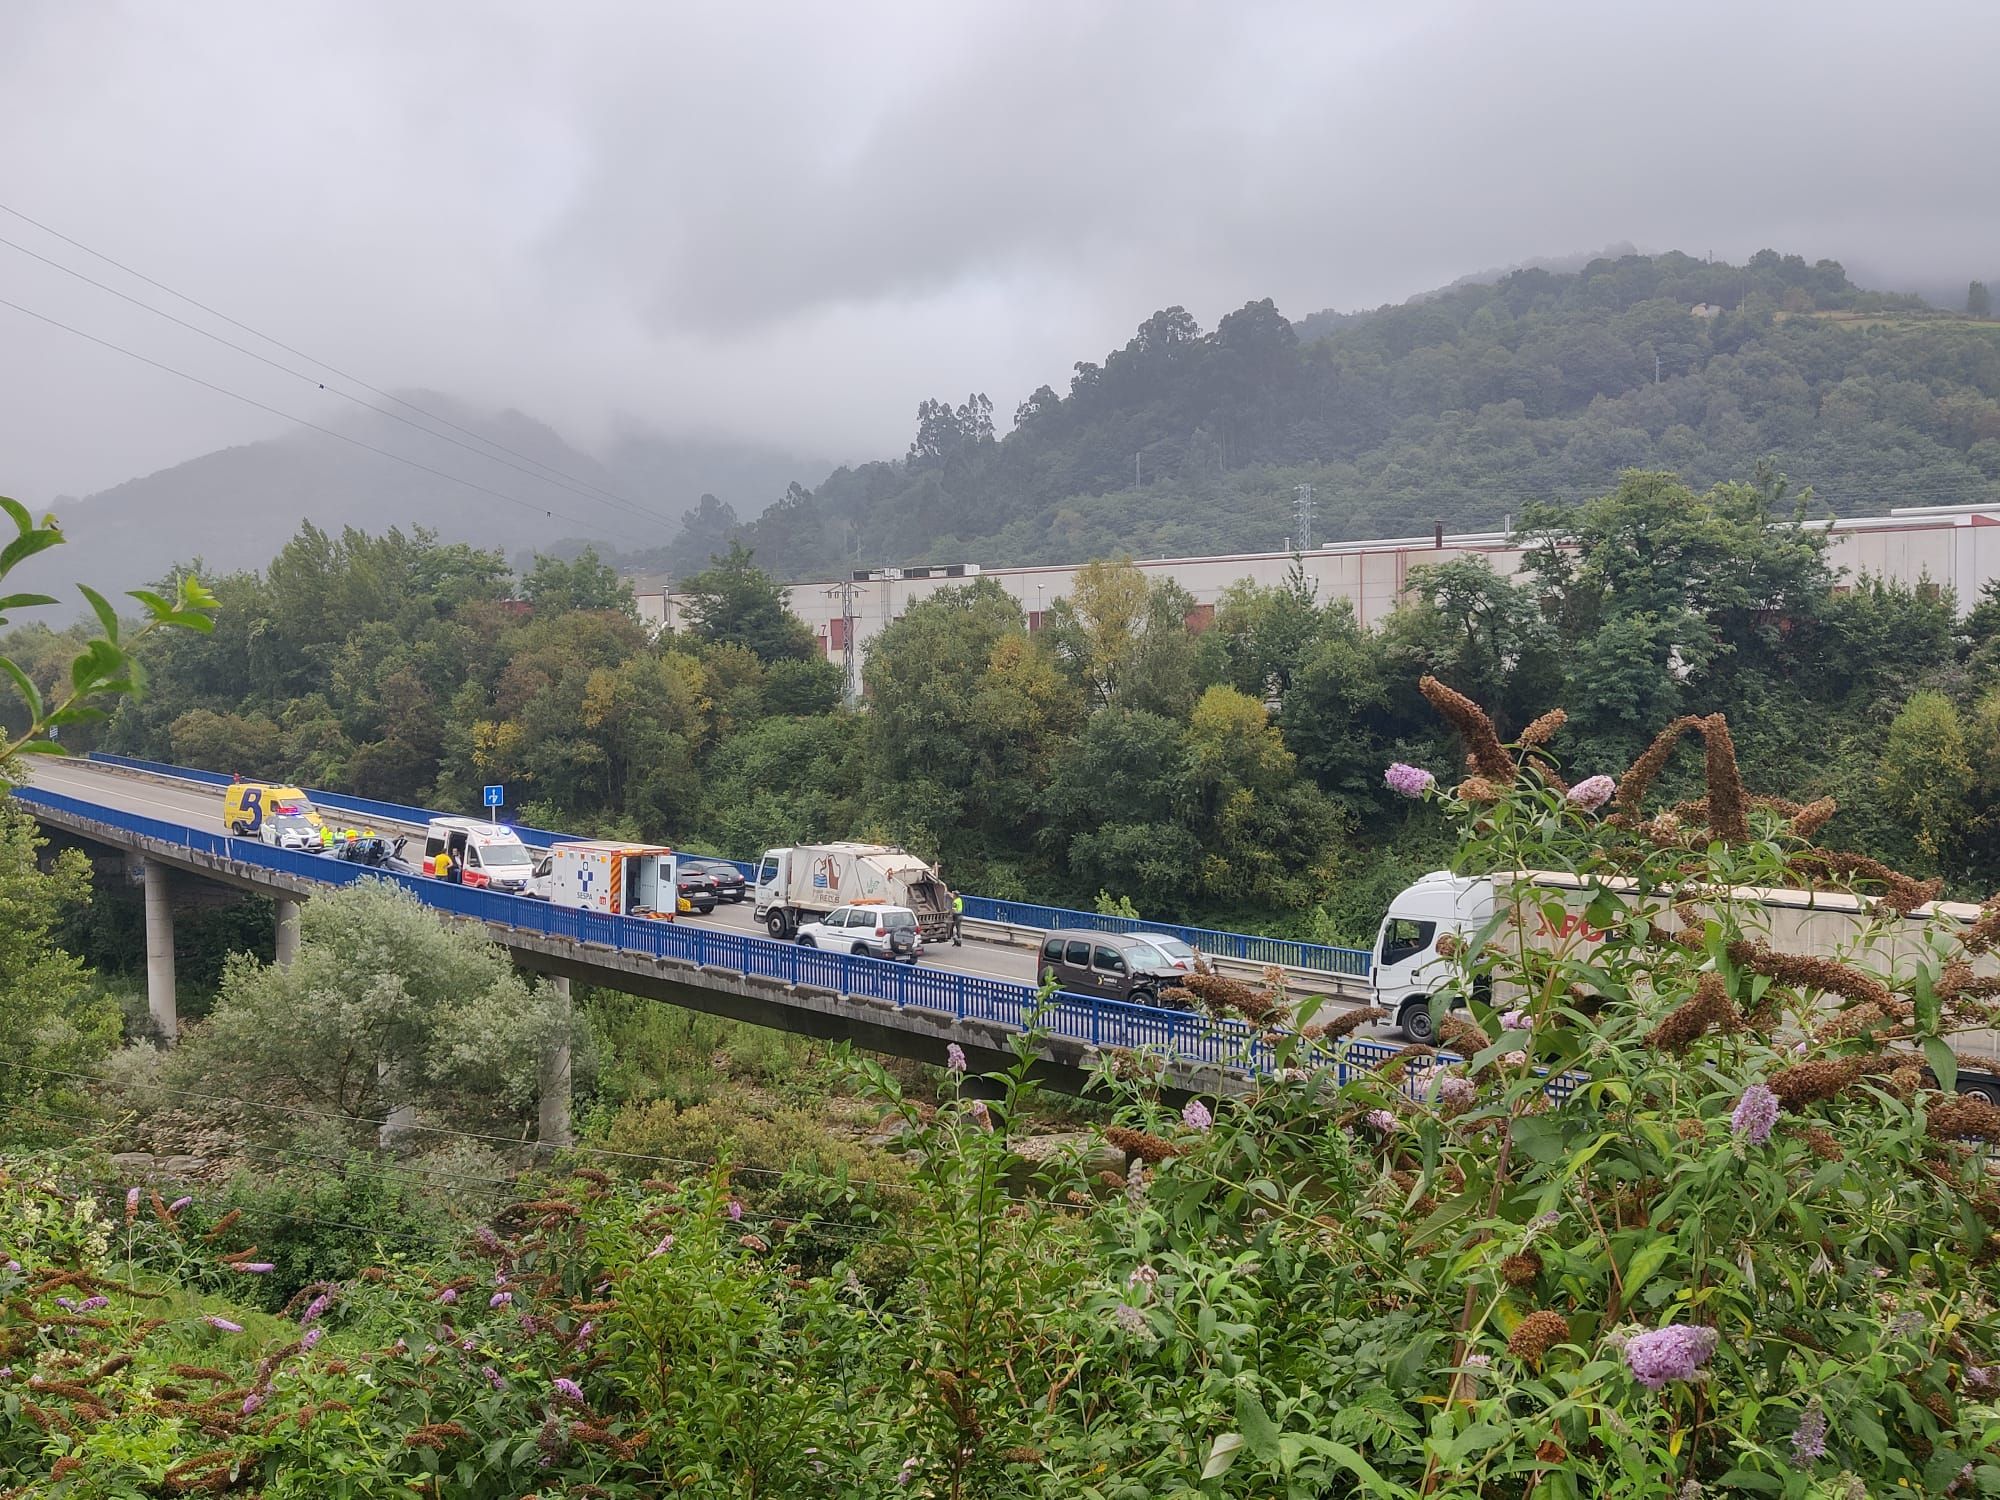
x,y
875,931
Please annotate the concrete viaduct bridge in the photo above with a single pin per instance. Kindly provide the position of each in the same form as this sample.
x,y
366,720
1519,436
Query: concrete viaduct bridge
x,y
168,827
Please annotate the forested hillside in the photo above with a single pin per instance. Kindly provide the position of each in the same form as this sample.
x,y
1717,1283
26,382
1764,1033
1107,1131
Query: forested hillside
x,y
1465,406
1229,775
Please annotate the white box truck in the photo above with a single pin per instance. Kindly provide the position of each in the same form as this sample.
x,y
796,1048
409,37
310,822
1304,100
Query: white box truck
x,y
1408,969
621,880
804,883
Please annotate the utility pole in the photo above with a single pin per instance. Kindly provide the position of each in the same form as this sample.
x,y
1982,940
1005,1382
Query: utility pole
x,y
1656,367
1302,516
845,592
1136,481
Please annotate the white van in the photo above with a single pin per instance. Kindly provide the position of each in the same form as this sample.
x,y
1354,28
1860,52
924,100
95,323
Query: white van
x,y
482,854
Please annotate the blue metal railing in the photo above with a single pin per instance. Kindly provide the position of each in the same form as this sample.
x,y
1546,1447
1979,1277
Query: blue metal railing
x,y
1242,947
1245,947
1183,1035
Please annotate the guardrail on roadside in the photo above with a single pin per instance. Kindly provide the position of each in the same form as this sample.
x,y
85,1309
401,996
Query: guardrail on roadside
x,y
1239,947
1182,1035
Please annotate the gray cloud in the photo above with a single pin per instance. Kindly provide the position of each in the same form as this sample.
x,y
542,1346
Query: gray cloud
x,y
792,222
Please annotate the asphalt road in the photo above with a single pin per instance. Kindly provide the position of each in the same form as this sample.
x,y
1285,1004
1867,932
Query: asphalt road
x,y
199,806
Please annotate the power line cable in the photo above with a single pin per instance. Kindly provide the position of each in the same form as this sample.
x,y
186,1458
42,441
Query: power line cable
x,y
592,492
301,421
289,349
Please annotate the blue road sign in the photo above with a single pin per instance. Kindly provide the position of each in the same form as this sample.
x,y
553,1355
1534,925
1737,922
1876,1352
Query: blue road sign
x,y
496,796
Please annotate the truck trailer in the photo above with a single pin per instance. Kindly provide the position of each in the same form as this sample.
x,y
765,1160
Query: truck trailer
x,y
1410,968
804,883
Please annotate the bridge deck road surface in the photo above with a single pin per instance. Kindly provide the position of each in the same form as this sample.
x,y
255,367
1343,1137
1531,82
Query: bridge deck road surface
x,y
199,806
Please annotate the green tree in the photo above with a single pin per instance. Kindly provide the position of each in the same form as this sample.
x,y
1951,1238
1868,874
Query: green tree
x,y
385,1006
53,1025
1978,301
736,602
582,583
1926,775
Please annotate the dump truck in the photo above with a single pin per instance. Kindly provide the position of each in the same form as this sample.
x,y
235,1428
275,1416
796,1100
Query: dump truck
x,y
1558,911
621,880
804,883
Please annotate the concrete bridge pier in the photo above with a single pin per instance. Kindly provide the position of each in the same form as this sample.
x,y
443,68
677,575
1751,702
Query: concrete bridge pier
x,y
160,999
554,1091
288,930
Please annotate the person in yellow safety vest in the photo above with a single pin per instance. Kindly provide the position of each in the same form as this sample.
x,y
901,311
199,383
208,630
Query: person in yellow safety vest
x,y
325,837
442,866
957,917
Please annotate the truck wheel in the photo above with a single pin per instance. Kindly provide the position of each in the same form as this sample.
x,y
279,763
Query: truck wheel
x,y
1414,1020
776,923
1981,1085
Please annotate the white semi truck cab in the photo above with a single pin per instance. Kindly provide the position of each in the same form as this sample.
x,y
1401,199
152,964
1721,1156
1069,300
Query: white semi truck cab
x,y
1408,968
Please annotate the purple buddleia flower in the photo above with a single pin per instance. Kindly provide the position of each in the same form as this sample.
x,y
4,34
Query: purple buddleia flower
x,y
1809,1437
251,1402
954,1058
501,1299
735,1210
583,1332
1457,1091
530,1325
224,1324
1980,1377
65,1304
494,1378
1381,1120
666,1244
908,1472
1195,1115
312,1338
1671,1353
1514,1020
1592,793
255,1267
568,1390
1130,1319
1407,780
91,1304
1755,1114
448,1296
178,1204
314,1308
131,1203
981,1114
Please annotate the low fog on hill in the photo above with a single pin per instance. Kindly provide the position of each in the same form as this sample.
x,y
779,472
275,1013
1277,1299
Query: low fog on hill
x,y
676,251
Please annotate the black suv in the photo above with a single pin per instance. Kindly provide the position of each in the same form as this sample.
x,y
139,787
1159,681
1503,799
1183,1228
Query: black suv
x,y
725,877
696,889
1115,965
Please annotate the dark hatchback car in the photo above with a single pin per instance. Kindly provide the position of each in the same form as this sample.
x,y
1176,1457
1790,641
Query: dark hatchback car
x,y
1115,965
696,889
725,877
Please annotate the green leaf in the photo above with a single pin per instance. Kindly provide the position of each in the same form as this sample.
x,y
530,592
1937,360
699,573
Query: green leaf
x,y
27,601
1258,1428
1539,1137
1221,1454
1750,1479
157,605
101,607
40,747
27,688
22,520
26,545
1647,1259
1358,1466
1943,1062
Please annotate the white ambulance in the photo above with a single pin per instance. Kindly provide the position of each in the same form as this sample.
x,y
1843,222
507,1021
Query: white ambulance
x,y
628,880
482,854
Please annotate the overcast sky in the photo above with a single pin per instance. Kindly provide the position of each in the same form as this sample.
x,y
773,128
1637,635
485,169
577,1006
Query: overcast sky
x,y
792,222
